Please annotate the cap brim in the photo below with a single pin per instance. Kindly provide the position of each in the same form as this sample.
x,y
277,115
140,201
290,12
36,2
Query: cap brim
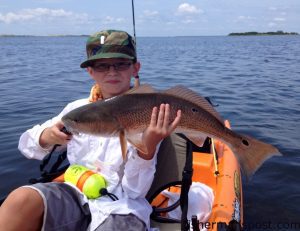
x,y
104,56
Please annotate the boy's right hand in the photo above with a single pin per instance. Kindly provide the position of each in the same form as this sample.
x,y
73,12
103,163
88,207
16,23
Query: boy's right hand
x,y
53,135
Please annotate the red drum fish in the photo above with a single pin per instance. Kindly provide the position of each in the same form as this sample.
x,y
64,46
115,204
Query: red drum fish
x,y
128,116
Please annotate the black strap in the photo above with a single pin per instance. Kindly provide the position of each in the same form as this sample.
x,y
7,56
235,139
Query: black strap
x,y
156,212
55,170
162,188
112,196
186,183
62,157
49,176
47,158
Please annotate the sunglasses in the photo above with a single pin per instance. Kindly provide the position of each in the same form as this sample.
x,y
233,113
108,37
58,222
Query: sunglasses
x,y
120,66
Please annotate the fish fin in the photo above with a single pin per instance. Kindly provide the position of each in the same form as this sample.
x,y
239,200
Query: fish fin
x,y
197,140
252,153
188,94
142,89
136,141
123,143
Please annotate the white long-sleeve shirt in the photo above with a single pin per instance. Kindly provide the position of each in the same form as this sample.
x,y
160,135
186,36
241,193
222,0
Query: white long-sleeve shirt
x,y
129,181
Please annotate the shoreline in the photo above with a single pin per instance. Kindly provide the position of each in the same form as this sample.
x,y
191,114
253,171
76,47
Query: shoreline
x,y
254,33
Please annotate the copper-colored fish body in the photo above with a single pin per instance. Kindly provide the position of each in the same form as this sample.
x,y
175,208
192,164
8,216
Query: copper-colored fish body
x,y
131,113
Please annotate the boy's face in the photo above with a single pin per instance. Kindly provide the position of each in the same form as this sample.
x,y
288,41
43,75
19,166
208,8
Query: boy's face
x,y
113,75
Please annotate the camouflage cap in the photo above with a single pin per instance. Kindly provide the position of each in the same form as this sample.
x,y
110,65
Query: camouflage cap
x,y
109,44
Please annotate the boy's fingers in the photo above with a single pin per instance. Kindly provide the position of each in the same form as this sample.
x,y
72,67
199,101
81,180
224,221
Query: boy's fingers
x,y
61,136
60,125
176,121
166,116
153,117
161,115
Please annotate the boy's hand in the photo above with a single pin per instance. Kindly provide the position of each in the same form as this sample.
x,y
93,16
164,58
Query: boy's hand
x,y
53,135
159,128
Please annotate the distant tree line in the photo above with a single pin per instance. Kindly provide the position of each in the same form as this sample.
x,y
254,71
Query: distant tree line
x,y
279,32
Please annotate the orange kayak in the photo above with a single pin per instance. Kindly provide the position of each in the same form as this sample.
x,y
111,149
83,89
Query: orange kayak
x,y
227,210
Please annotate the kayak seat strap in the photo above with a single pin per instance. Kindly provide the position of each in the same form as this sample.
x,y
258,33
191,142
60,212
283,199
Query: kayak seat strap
x,y
55,169
186,183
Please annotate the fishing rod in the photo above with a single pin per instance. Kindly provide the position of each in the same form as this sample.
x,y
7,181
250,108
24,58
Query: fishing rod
x,y
137,77
133,20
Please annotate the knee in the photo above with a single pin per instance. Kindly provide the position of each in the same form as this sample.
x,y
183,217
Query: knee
x,y
25,199
24,208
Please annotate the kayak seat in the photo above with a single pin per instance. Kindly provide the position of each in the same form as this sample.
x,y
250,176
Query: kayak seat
x,y
171,160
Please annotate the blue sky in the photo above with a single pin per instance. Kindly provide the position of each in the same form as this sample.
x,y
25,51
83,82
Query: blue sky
x,y
153,17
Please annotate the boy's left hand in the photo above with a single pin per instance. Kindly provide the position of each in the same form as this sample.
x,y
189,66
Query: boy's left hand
x,y
159,128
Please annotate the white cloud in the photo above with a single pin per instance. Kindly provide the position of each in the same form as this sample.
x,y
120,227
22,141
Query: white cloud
x,y
244,18
170,23
108,19
149,13
188,21
279,19
186,8
112,20
12,17
120,20
272,8
241,17
38,14
272,24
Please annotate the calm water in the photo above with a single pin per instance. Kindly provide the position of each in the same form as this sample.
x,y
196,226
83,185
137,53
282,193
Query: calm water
x,y
254,80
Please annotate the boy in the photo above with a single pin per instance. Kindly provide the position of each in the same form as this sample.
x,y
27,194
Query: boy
x,y
58,206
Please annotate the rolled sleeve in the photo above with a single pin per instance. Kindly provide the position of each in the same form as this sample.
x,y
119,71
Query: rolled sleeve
x,y
138,174
29,144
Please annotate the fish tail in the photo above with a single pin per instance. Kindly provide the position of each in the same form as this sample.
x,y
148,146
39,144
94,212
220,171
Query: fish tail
x,y
252,153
